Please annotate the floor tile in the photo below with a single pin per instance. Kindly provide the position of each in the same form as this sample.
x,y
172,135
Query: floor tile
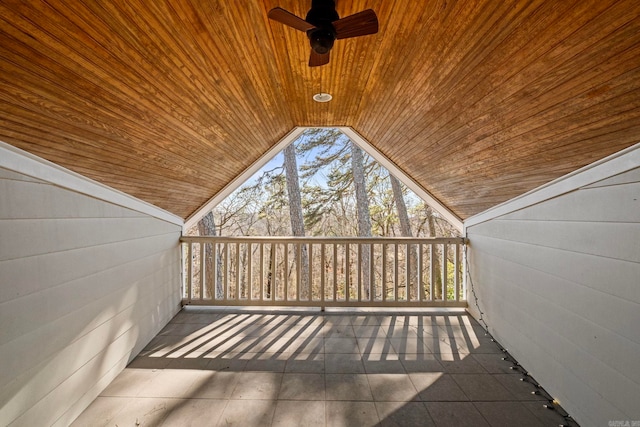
x,y
309,363
101,411
351,414
522,390
143,412
299,414
482,387
410,344
403,414
420,363
224,368
331,330
507,414
343,363
347,387
392,387
226,361
460,364
267,362
437,387
257,385
129,383
247,413
375,345
389,365
341,345
367,331
171,383
547,416
217,385
455,414
302,387
493,363
194,412
306,345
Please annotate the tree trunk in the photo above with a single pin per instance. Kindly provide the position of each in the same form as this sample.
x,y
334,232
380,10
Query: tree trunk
x,y
364,216
437,270
297,219
207,227
405,229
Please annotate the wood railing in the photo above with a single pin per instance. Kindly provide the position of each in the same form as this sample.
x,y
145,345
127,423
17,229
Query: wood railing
x,y
323,272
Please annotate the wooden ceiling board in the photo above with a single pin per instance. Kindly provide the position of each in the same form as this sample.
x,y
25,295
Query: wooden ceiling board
x,y
169,100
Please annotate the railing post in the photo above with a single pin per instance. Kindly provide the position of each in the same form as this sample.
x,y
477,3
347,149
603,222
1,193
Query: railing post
x,y
190,270
456,267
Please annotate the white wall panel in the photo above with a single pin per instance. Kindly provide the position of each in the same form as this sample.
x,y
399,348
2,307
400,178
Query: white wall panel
x,y
559,283
85,283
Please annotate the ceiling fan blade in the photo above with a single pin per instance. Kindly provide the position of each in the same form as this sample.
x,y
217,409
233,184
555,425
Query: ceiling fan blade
x,y
316,59
289,19
359,24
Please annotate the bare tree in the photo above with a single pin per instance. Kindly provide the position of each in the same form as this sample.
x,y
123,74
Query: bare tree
x,y
207,227
405,228
297,219
364,218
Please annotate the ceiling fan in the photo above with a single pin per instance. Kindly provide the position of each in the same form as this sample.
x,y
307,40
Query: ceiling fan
x,y
323,26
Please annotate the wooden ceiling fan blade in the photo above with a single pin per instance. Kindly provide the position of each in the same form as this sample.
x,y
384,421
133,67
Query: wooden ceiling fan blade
x,y
289,19
316,59
356,25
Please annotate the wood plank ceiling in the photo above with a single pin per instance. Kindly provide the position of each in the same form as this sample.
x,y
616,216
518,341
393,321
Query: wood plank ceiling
x,y
168,100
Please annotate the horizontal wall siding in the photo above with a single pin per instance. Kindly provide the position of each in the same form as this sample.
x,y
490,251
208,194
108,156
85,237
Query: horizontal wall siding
x,y
84,286
559,283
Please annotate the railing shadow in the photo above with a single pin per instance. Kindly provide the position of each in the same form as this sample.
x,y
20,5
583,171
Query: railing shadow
x,y
218,346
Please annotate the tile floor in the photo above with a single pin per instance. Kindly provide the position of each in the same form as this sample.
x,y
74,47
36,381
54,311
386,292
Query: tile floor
x,y
221,368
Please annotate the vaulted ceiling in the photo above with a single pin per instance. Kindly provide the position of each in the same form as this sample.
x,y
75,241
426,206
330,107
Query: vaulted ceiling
x,y
478,101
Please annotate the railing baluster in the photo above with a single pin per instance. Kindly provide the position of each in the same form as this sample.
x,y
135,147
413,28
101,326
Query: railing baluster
x,y
285,282
249,275
432,271
335,272
444,272
347,272
225,269
384,272
359,275
309,283
322,284
202,268
372,275
261,291
407,274
272,273
396,283
356,258
298,247
455,269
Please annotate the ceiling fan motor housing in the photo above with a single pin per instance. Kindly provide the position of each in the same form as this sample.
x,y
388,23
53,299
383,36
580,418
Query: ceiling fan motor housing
x,y
321,15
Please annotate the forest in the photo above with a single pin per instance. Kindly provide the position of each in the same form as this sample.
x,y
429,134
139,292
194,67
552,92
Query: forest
x,y
323,185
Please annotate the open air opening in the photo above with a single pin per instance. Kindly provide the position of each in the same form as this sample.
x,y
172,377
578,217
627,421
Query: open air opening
x,y
323,223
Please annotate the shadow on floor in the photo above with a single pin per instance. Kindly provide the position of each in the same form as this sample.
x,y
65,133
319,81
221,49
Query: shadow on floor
x,y
209,368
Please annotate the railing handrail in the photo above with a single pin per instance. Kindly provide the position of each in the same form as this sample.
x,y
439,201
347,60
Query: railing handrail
x,y
316,239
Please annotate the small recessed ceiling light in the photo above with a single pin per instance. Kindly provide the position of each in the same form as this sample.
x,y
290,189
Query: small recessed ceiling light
x,y
322,97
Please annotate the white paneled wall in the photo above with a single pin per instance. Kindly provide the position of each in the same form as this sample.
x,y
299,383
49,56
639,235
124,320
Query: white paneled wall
x,y
85,283
558,278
